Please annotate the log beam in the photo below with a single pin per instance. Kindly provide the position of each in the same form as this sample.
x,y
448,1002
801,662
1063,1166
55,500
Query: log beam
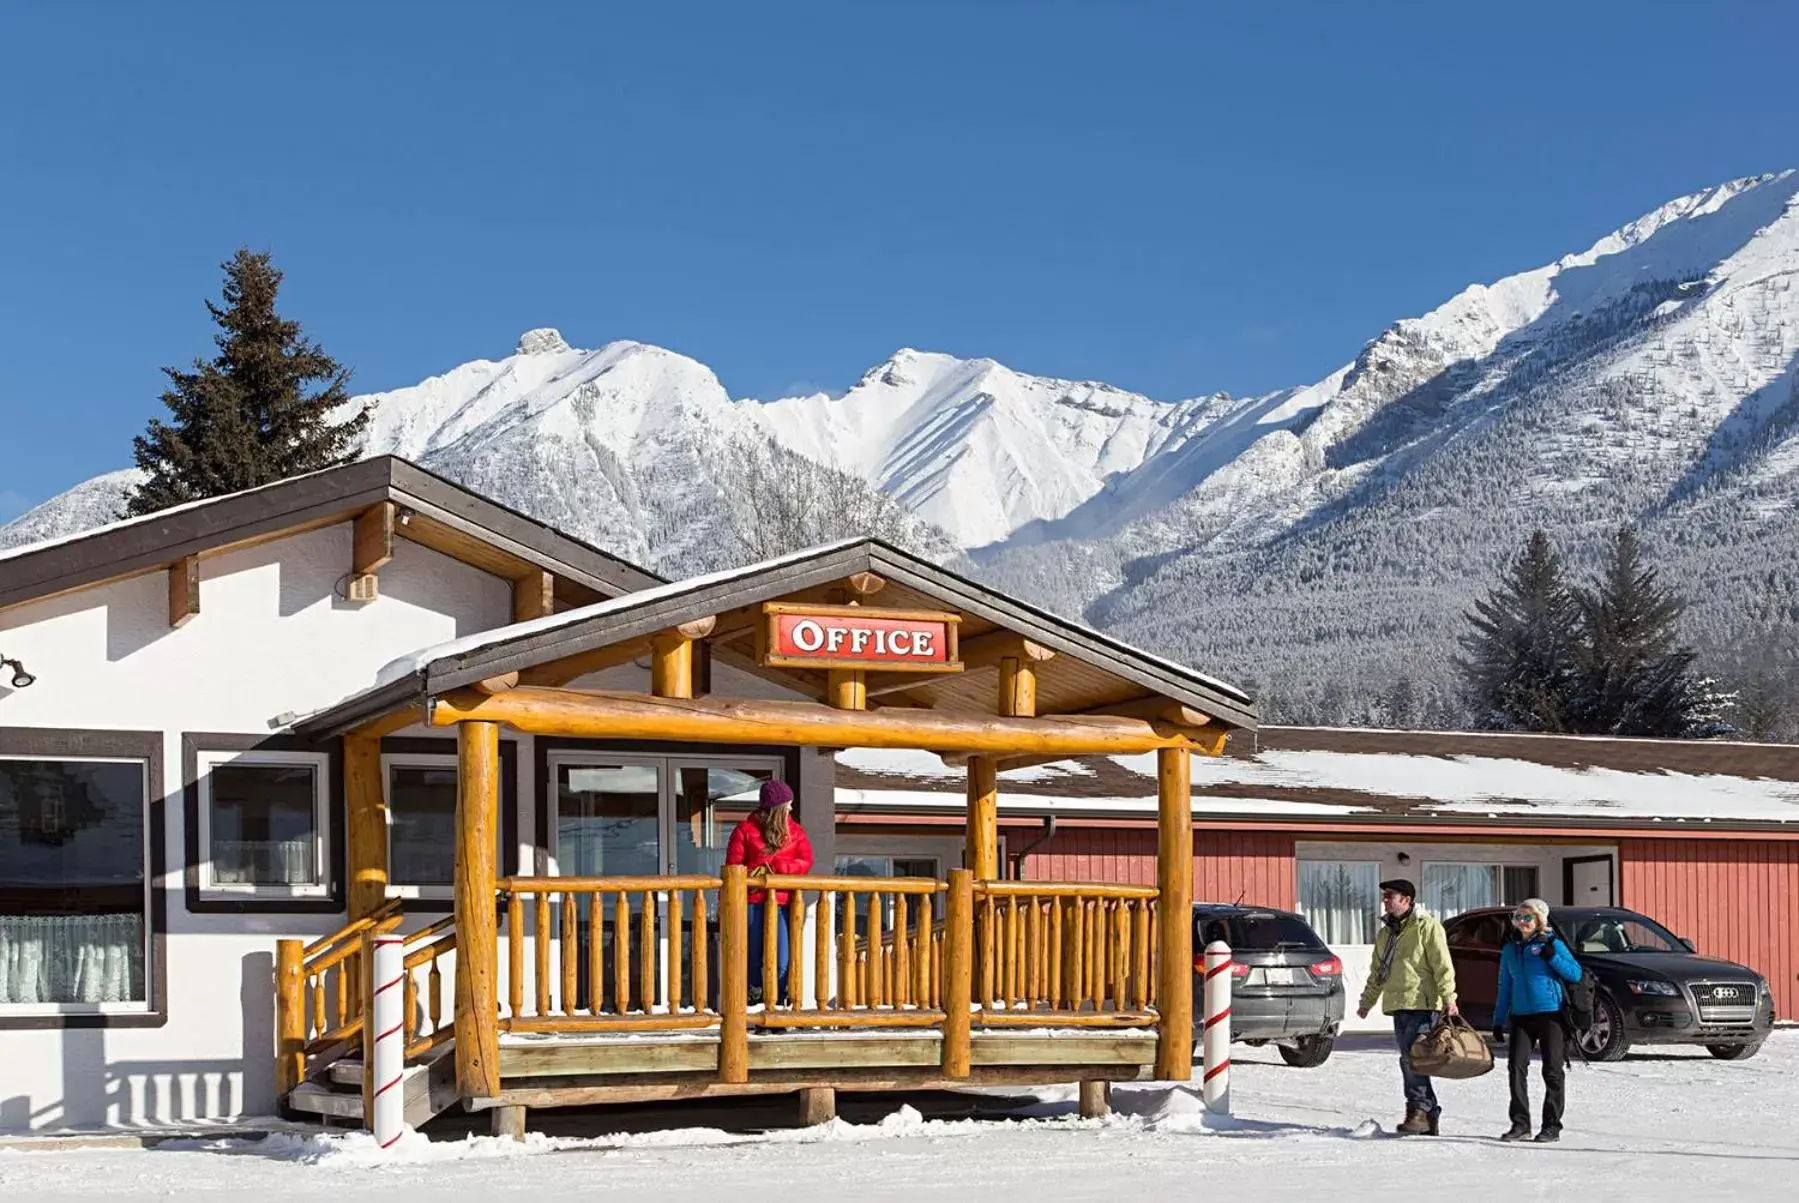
x,y
387,724
1003,764
1174,889
533,596
982,849
184,591
365,805
865,584
373,548
477,835
1156,709
614,715
981,651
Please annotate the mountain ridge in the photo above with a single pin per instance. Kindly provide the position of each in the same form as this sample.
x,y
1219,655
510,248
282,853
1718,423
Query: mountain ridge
x,y
1651,378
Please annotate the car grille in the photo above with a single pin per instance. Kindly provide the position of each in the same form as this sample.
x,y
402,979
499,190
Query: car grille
x,y
1725,1003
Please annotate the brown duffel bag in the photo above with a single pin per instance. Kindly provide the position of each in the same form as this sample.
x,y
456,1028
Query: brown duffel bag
x,y
1452,1049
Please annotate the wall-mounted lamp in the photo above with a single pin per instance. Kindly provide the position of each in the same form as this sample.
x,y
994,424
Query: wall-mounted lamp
x,y
1405,858
20,678
404,516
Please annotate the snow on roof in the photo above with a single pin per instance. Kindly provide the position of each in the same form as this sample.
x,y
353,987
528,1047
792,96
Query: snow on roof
x,y
1315,782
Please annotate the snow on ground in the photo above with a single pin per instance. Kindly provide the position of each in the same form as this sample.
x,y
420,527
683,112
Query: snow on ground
x,y
1673,1124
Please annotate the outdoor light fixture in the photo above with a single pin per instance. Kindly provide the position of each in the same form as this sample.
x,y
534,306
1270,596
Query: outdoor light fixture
x,y
20,678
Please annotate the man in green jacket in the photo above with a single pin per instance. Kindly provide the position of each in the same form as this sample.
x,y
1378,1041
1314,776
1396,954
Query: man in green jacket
x,y
1414,979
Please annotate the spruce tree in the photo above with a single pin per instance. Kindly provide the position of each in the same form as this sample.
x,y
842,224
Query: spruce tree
x,y
262,410
1520,668
1635,677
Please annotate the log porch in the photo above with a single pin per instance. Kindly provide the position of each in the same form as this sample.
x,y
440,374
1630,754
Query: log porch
x,y
544,991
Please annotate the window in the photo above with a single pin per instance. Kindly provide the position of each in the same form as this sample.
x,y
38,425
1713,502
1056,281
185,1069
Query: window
x,y
1257,931
889,866
264,824
1340,899
1622,934
74,885
421,825
1450,889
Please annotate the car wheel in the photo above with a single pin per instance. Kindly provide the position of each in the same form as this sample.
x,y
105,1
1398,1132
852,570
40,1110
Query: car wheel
x,y
1308,1052
1734,1052
1604,1040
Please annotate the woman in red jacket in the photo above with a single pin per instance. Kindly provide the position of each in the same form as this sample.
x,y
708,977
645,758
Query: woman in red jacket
x,y
770,838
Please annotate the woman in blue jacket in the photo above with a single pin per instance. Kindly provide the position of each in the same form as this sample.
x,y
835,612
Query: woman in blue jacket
x,y
1533,965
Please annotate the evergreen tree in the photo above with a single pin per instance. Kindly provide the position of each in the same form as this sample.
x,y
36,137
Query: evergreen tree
x,y
1520,666
1635,678
262,410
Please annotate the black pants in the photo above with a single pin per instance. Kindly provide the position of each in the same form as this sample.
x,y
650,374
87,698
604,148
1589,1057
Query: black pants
x,y
1543,1032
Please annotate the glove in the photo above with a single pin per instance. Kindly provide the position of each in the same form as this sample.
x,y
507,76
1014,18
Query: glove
x,y
1546,949
1499,1033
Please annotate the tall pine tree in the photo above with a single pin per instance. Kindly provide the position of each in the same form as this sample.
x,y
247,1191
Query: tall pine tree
x,y
1634,676
1520,662
260,411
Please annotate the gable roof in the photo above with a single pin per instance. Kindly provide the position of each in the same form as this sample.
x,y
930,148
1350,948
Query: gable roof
x,y
443,514
464,662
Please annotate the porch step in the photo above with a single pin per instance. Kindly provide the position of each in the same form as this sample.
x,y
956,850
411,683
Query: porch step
x,y
429,1089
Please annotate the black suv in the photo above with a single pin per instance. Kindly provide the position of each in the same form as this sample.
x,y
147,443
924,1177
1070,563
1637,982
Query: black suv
x,y
1653,987
1286,986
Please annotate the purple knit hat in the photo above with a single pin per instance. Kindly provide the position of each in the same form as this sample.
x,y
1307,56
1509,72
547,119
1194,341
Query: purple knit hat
x,y
775,793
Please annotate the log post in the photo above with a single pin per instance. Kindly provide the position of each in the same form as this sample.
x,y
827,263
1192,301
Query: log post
x,y
848,688
1017,687
958,972
1096,1099
477,995
184,590
366,806
818,1105
1174,893
982,855
290,1015
508,1121
734,976
671,667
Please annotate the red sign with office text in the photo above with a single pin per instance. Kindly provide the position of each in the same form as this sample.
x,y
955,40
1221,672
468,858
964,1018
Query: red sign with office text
x,y
848,636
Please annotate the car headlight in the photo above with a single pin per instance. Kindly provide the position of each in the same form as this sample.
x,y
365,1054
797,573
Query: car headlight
x,y
1667,989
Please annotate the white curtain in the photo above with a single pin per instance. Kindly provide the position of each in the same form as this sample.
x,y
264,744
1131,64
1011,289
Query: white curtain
x,y
71,958
263,862
1340,899
1451,889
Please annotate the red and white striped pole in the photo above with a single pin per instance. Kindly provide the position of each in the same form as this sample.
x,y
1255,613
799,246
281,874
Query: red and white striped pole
x,y
1215,1082
389,1021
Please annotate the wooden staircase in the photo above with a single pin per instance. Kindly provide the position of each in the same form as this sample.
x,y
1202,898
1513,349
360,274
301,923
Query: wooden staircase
x,y
323,998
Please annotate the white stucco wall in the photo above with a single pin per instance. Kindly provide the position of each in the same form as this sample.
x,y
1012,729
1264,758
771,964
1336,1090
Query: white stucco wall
x,y
271,637
1357,958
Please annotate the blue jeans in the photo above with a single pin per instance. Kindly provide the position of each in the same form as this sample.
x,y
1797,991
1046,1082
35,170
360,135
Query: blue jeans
x,y
755,950
1407,1027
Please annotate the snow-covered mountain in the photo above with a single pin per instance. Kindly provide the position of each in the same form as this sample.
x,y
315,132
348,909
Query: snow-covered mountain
x,y
1316,539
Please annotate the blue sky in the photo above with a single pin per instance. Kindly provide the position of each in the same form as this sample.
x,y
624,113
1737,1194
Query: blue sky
x,y
1172,197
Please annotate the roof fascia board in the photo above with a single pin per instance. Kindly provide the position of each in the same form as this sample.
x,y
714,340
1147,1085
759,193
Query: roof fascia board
x,y
514,532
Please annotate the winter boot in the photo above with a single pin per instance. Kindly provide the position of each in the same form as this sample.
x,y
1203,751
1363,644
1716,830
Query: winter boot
x,y
1549,1136
1517,1132
1417,1122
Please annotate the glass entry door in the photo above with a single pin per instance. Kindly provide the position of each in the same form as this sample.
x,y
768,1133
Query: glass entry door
x,y
647,816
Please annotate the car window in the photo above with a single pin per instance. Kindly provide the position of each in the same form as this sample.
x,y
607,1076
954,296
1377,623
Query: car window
x,y
1260,932
1485,932
1615,933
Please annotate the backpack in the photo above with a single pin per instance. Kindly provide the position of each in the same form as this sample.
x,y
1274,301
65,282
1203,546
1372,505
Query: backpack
x,y
1578,1000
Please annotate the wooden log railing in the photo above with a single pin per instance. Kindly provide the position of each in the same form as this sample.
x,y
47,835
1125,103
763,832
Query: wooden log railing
x,y
426,949
609,953
876,951
321,995
1065,954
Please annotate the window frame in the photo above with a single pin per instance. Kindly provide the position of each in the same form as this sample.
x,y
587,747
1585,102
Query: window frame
x,y
1299,907
436,760
214,901
1500,865
144,748
208,759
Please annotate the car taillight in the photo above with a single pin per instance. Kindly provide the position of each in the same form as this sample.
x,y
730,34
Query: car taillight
x,y
1330,968
1238,968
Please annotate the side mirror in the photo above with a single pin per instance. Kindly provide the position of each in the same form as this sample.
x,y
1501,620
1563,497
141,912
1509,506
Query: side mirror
x,y
1691,947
